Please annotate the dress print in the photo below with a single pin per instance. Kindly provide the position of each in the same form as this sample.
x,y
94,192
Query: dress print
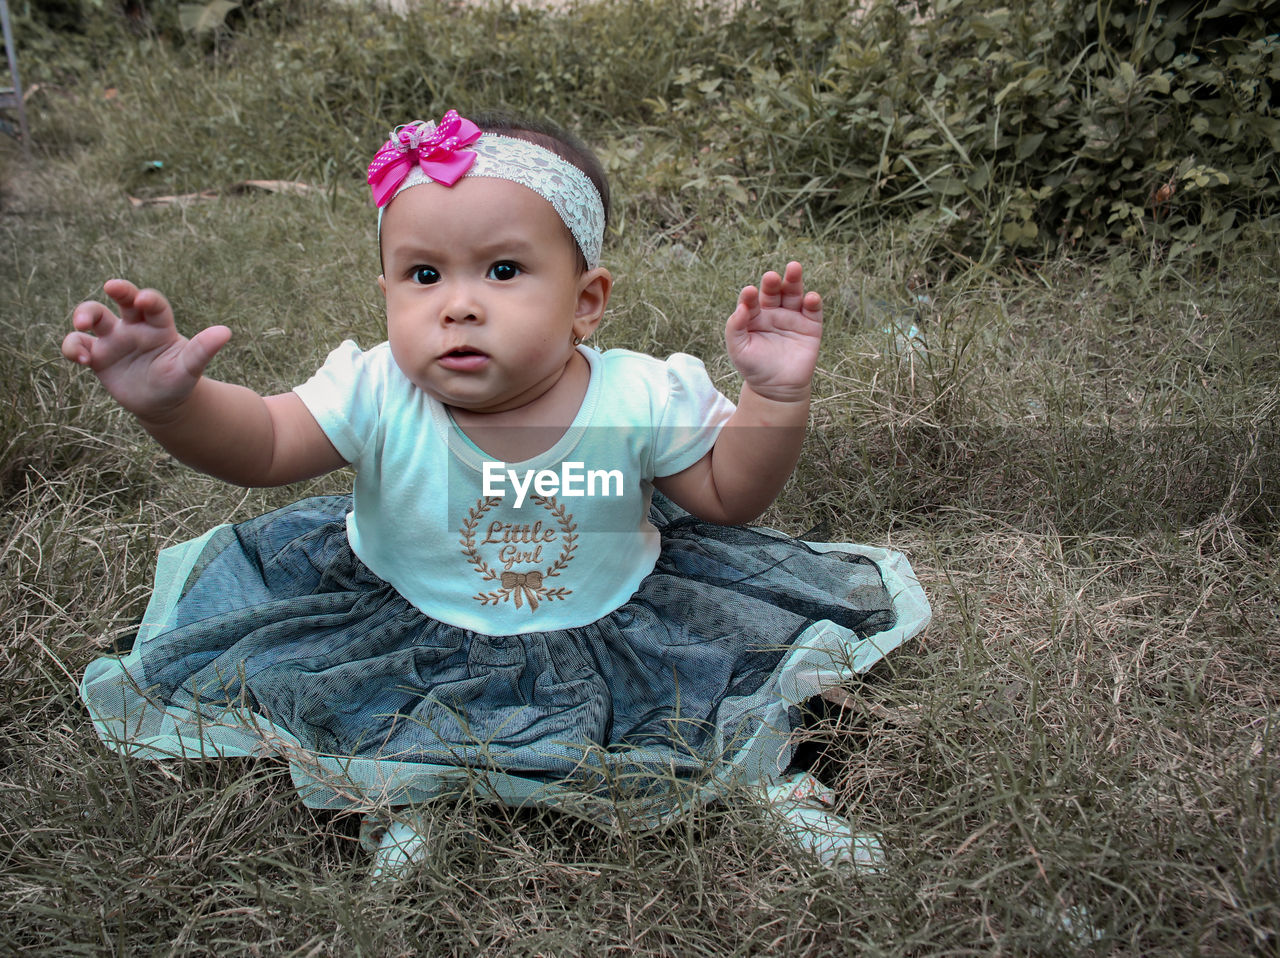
x,y
519,557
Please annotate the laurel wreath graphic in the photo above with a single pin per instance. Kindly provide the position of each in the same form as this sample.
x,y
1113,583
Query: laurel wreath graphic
x,y
519,587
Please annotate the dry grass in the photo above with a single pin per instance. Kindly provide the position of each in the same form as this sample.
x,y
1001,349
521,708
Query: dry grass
x,y
1079,756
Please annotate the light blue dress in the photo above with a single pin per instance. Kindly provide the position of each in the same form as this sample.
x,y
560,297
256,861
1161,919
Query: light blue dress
x,y
272,636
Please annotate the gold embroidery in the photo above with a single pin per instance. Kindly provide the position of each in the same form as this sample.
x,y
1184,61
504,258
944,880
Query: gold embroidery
x,y
527,582
519,543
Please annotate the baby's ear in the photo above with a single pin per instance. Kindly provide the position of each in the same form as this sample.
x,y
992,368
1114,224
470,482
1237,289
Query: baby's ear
x,y
594,287
382,284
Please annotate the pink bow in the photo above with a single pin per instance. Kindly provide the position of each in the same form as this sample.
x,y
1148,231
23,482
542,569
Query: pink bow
x,y
434,148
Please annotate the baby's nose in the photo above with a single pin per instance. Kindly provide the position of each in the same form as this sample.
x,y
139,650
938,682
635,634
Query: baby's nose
x,y
463,306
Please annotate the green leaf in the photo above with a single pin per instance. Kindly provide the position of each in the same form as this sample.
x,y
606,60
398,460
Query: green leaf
x,y
1224,9
1032,80
1019,232
919,135
1028,145
964,154
1008,88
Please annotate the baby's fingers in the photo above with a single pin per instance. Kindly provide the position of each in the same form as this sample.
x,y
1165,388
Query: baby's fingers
x,y
94,318
78,347
791,287
811,306
747,309
202,347
139,305
771,290
88,322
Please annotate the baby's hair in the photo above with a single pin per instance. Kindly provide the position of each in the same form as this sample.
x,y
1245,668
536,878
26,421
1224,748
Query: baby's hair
x,y
563,144
550,137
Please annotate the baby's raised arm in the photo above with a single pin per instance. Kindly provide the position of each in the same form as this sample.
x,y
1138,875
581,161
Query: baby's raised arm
x,y
157,374
772,337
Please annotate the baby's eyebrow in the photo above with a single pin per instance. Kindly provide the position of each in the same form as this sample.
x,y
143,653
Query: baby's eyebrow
x,y
412,250
505,245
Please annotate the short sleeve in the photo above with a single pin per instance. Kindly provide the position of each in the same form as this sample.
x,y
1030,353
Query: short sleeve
x,y
344,396
691,415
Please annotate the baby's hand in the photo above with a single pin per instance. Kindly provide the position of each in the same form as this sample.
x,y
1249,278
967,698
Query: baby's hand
x,y
773,336
139,355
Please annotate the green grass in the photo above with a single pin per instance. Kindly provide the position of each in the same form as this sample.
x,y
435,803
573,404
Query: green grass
x,y
1080,754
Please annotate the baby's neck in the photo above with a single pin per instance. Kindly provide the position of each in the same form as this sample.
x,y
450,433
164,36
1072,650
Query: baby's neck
x,y
527,431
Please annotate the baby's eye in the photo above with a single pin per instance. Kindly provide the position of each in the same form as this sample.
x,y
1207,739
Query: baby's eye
x,y
504,271
425,275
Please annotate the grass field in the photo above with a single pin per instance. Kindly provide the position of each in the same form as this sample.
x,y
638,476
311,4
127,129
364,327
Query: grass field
x,y
1080,458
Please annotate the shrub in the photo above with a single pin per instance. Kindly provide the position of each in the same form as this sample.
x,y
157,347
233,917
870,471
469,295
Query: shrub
x,y
1032,126
1025,129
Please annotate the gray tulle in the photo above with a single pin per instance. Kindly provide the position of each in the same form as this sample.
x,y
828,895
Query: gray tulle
x,y
277,623
282,618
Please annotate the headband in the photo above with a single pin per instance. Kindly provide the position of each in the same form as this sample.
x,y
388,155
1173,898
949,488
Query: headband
x,y
428,152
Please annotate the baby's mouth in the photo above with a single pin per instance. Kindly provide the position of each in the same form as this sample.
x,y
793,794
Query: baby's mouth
x,y
463,358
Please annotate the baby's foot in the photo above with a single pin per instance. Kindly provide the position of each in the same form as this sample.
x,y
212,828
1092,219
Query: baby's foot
x,y
806,816
397,847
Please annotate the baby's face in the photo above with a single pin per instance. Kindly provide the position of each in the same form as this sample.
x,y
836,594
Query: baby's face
x,y
482,292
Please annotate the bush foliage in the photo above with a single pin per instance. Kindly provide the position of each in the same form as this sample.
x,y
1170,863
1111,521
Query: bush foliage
x,y
1028,128
1055,121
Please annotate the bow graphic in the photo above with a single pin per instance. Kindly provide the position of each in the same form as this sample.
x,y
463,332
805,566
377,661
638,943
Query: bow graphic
x,y
435,148
530,583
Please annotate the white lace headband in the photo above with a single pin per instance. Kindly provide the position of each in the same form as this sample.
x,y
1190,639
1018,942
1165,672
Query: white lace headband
x,y
421,152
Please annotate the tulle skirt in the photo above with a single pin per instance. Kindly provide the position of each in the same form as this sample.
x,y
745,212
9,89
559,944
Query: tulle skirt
x,y
272,637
